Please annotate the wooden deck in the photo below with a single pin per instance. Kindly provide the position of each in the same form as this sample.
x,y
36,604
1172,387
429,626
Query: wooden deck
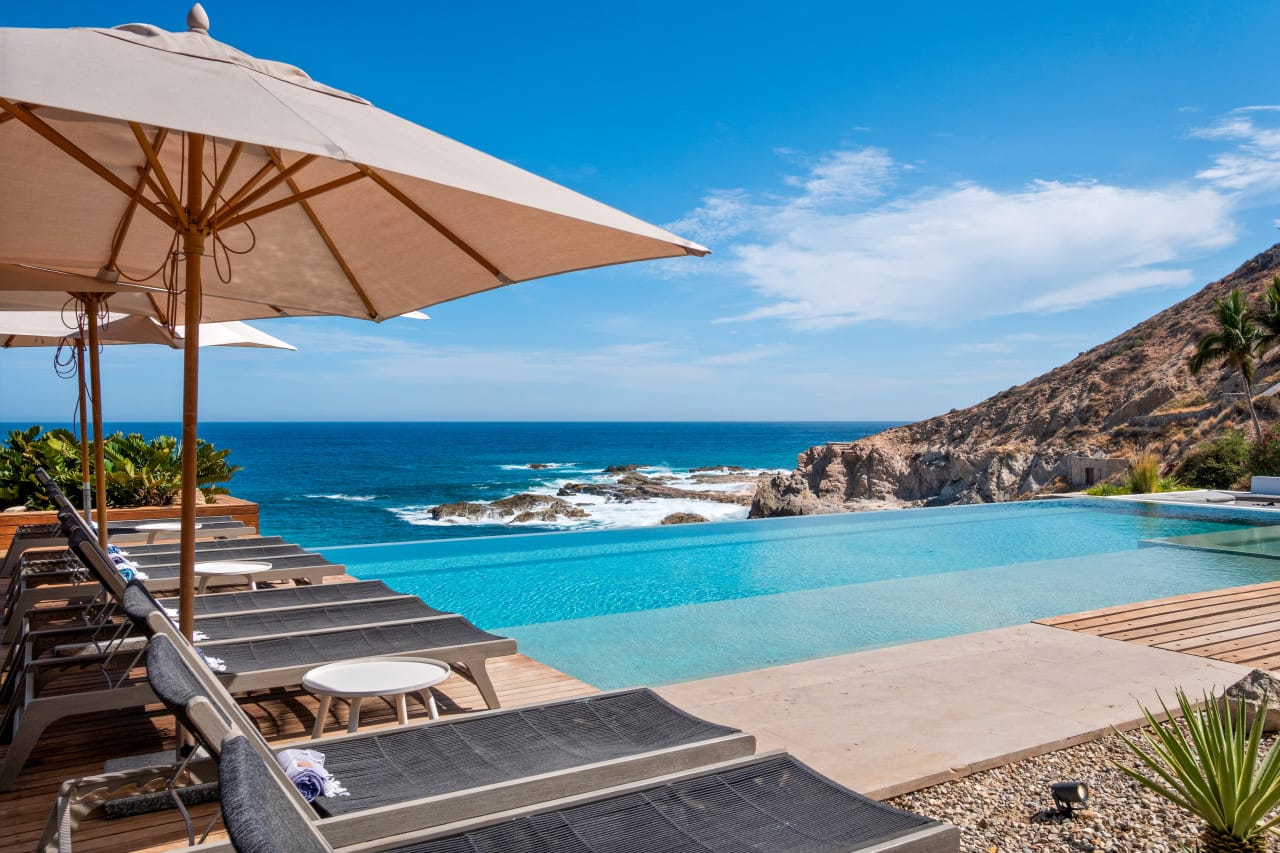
x,y
1238,625
78,747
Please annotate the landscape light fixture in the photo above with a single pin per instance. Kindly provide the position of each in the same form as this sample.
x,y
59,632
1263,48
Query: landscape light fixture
x,y
1070,796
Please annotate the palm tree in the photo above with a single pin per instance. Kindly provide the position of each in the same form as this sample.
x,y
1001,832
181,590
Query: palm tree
x,y
1269,319
1235,343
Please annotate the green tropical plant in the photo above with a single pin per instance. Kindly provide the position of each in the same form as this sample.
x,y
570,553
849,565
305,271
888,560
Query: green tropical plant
x,y
138,472
1213,771
57,451
1269,319
1106,490
1217,464
1235,342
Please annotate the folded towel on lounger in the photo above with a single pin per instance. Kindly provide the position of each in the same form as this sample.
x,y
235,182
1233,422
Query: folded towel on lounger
x,y
305,769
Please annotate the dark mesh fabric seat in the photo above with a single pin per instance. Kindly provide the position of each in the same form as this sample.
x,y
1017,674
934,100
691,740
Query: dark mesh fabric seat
x,y
292,561
174,683
138,604
291,596
773,805
396,766
257,813
263,623
254,655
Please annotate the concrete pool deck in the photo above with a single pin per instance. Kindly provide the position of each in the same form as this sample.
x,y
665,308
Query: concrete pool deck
x,y
892,720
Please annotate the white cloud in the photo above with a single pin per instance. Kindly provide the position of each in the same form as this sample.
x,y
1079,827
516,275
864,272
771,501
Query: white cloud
x,y
1253,166
837,251
845,176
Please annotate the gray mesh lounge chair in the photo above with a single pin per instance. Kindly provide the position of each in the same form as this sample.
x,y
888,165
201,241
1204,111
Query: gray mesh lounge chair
x,y
224,603
438,771
101,642
273,662
31,536
430,773
767,803
64,577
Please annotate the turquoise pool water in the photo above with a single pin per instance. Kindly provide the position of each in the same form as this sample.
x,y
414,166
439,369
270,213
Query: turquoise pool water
x,y
662,605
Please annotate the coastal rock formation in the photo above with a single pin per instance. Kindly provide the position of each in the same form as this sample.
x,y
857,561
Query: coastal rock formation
x,y
785,494
683,518
633,486
1130,394
516,509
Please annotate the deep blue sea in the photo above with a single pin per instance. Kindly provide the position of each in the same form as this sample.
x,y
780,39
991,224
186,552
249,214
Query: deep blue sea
x,y
348,483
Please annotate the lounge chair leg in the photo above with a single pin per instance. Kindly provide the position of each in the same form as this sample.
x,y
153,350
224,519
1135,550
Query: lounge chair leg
x,y
475,672
322,715
39,714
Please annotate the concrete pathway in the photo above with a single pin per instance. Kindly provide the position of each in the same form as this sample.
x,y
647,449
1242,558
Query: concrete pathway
x,y
896,719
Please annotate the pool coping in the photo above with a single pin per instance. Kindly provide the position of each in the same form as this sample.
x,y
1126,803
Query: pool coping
x,y
871,720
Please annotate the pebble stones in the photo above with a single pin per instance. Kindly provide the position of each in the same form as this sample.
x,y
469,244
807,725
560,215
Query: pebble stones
x,y
1009,809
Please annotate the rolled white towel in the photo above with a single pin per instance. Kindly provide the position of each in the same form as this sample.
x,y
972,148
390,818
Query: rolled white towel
x,y
215,664
305,769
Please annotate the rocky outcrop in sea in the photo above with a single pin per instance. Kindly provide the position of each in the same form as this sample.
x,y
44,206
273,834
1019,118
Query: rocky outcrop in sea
x,y
1131,394
643,494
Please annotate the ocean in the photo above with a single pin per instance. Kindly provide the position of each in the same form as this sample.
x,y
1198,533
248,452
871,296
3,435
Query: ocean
x,y
324,484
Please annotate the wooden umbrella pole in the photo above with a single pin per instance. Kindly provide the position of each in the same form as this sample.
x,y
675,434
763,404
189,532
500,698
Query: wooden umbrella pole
x,y
86,488
95,391
193,248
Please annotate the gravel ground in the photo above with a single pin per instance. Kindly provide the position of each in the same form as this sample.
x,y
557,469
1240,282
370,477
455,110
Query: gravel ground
x,y
1010,809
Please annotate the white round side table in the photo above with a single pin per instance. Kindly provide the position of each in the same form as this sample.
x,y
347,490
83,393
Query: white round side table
x,y
353,680
222,568
154,528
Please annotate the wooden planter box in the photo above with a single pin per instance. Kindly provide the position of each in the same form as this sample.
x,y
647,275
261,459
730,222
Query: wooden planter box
x,y
243,511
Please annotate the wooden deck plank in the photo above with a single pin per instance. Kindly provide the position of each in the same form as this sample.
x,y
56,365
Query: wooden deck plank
x,y
1236,625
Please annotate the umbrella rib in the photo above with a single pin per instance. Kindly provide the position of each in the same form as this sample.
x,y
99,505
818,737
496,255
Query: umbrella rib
x,y
233,208
328,241
246,188
418,211
126,221
153,161
297,198
35,123
203,219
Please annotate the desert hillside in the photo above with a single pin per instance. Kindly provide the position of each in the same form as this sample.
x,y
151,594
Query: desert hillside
x,y
1130,394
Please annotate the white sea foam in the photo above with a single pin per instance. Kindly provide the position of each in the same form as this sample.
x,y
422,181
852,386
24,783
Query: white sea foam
x,y
342,497
605,513
541,466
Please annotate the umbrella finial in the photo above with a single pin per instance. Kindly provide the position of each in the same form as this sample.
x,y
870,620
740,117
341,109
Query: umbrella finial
x,y
198,20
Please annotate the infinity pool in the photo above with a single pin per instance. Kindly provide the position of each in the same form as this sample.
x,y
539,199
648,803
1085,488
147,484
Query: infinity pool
x,y
665,604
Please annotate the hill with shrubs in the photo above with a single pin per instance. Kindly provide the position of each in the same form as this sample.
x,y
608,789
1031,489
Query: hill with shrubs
x,y
1133,397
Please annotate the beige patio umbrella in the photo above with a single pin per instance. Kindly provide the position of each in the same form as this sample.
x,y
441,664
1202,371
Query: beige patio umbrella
x,y
59,328
133,150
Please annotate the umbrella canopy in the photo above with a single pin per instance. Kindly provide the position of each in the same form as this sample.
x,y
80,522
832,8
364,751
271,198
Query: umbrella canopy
x,y
50,328
54,328
134,152
348,209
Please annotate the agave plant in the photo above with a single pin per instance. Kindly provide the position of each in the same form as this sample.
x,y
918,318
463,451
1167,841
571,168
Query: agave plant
x,y
1213,771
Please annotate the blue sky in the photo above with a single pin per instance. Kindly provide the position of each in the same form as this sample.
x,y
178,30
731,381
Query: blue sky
x,y
911,206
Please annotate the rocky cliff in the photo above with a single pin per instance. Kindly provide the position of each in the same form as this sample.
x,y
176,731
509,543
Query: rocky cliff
x,y
1130,394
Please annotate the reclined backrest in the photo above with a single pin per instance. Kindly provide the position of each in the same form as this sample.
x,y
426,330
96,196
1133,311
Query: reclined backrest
x,y
184,695
260,816
210,710
86,547
140,606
